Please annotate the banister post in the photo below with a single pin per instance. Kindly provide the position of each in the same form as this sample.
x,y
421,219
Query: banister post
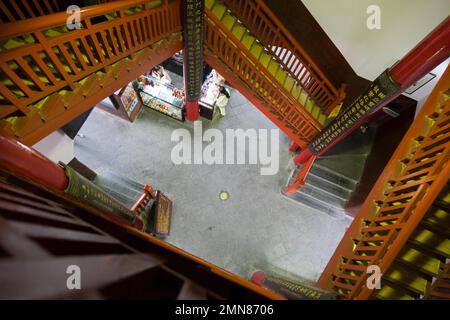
x,y
193,55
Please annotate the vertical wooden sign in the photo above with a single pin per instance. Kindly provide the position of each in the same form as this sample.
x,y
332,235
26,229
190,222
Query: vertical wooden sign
x,y
379,91
193,55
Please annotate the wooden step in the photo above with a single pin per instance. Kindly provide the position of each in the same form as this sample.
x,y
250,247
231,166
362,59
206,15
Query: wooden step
x,y
219,10
420,261
388,292
438,220
431,241
209,4
51,106
228,21
444,196
26,124
406,278
238,31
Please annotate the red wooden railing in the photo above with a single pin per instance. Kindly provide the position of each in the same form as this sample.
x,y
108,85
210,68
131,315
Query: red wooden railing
x,y
409,184
271,32
300,177
223,44
53,57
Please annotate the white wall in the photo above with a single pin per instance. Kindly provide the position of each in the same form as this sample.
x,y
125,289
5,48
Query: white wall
x,y
425,90
57,146
422,94
403,24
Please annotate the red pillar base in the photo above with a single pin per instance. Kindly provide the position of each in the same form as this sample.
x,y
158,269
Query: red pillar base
x,y
258,277
291,190
303,156
192,110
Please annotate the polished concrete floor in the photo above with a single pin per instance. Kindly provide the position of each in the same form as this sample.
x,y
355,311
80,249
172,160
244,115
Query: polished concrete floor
x,y
255,228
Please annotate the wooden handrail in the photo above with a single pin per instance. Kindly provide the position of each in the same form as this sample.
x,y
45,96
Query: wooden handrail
x,y
272,33
412,182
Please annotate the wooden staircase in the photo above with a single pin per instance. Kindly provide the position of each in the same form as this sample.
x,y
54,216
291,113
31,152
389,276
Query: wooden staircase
x,y
50,74
287,51
403,226
288,86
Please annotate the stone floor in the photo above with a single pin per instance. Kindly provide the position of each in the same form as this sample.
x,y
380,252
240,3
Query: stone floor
x,y
255,228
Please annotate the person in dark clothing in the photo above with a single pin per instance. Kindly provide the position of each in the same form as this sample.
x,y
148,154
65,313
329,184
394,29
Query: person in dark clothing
x,y
206,71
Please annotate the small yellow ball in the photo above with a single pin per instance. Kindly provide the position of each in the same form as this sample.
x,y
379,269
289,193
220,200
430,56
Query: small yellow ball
x,y
224,195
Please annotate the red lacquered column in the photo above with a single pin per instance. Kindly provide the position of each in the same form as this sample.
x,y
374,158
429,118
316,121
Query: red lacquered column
x,y
28,164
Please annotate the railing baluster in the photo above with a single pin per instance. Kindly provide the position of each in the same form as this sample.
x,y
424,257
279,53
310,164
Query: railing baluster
x,y
24,65
28,8
87,50
118,40
39,8
45,69
13,99
78,55
62,49
136,29
109,36
6,11
47,5
144,29
15,79
17,9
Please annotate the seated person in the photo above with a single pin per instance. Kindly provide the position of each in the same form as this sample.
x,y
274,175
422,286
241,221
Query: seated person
x,y
222,100
148,83
215,78
139,83
160,73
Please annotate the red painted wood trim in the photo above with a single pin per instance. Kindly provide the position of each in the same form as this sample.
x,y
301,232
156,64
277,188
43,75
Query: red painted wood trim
x,y
424,57
192,110
28,164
